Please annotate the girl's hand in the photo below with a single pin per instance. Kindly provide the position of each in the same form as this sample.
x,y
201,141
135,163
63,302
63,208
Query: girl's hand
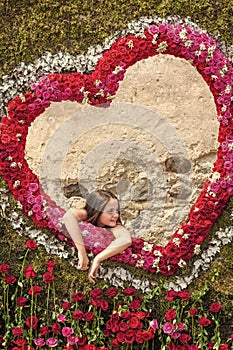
x,y
93,270
83,260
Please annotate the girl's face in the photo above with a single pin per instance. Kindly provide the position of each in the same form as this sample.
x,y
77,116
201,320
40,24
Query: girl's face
x,y
110,214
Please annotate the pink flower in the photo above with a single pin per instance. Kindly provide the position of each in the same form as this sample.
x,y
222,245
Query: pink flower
x,y
67,331
51,342
39,342
61,318
154,324
72,339
168,328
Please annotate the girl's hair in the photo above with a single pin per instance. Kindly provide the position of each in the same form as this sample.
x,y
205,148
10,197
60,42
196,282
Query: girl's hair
x,y
95,204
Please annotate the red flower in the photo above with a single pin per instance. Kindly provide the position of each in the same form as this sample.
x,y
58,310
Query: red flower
x,y
123,326
193,311
32,322
133,322
78,296
96,293
215,307
171,295
129,291
115,344
35,290
78,315
44,330
104,305
223,347
21,301
17,331
29,272
184,338
21,342
89,316
111,292
129,336
48,277
126,315
4,268
50,265
204,321
31,244
120,336
184,295
141,314
170,314
135,304
9,279
56,329
66,305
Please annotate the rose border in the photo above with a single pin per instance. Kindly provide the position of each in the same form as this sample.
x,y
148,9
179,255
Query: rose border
x,y
216,70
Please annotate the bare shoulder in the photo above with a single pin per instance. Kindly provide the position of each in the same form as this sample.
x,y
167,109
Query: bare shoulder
x,y
79,213
120,230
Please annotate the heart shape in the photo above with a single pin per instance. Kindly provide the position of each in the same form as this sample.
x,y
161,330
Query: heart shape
x,y
98,89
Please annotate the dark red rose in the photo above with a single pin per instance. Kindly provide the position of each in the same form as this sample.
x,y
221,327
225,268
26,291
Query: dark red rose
x,y
215,307
115,344
29,272
95,302
21,342
223,347
184,338
44,330
210,345
56,329
48,277
17,331
66,305
129,291
4,268
31,244
82,340
50,265
120,336
21,301
78,296
133,322
203,321
139,336
170,314
193,311
104,305
123,326
136,303
129,336
141,314
126,315
172,346
96,293
78,315
184,295
9,279
35,290
89,316
111,292
32,322
171,295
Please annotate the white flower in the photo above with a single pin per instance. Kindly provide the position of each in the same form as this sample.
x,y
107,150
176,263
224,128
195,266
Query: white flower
x,y
162,46
182,263
176,241
197,249
140,263
202,47
183,34
148,247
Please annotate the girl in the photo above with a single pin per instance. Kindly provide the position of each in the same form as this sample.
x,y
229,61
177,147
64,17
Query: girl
x,y
102,209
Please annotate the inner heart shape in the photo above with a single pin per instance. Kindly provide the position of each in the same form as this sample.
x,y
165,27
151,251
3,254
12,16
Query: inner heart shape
x,y
98,89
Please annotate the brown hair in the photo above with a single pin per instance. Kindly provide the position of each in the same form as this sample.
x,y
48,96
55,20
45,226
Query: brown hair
x,y
95,204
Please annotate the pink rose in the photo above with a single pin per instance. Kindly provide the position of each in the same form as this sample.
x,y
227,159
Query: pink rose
x,y
52,342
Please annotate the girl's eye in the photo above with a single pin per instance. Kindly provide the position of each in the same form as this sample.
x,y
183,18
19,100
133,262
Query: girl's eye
x,y
112,211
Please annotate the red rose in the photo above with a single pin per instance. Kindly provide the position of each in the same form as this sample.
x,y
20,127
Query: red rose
x,y
66,305
139,336
111,292
21,342
44,330
82,340
123,326
184,338
21,301
4,268
141,314
223,347
115,344
17,331
171,295
9,279
133,322
136,303
50,265
29,272
129,336
31,244
204,321
78,296
172,346
32,322
184,295
120,336
89,316
96,293
48,277
170,314
78,315
215,307
129,291
126,315
210,345
95,302
35,290
104,305
56,329
193,311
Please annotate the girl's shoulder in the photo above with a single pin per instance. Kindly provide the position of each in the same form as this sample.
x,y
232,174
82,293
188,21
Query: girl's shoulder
x,y
79,213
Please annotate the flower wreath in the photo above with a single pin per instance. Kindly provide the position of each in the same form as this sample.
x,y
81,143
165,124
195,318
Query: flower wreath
x,y
98,89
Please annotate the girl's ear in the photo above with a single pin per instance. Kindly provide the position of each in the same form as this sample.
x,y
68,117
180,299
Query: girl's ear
x,y
76,202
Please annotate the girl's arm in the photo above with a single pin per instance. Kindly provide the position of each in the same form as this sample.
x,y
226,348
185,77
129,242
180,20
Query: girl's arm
x,y
71,218
122,241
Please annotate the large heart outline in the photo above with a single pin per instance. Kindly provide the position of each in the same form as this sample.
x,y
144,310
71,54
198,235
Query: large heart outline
x,y
98,89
